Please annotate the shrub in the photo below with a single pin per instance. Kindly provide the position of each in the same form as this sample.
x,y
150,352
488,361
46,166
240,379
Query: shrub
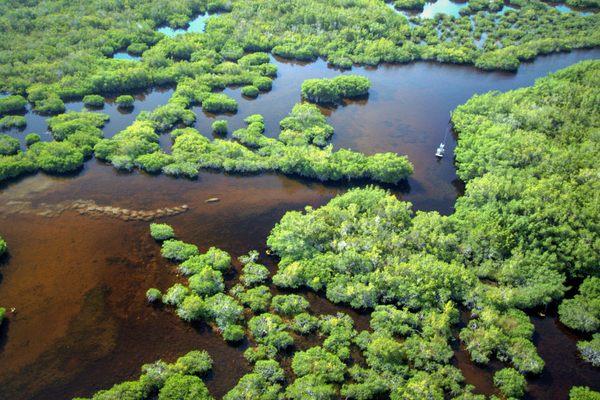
x,y
161,231
254,274
191,308
250,91
219,103
176,294
224,310
57,157
9,145
263,83
319,363
219,127
510,382
304,323
583,393
583,311
206,282
184,387
334,90
590,350
214,258
290,304
32,138
177,250
153,295
2,314
233,333
13,121
196,362
257,299
125,101
3,247
12,104
93,100
50,105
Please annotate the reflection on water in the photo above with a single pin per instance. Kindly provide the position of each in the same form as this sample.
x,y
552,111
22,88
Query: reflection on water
x,y
78,280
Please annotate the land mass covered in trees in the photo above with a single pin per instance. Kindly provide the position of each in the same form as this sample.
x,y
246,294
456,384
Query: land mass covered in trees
x,y
525,229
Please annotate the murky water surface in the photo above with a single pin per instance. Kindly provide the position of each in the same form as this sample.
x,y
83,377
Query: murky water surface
x,y
77,275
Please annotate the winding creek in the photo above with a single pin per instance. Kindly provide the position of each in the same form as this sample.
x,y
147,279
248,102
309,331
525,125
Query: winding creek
x,y
78,279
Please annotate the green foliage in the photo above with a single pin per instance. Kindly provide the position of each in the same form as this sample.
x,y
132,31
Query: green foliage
x,y
526,156
250,91
583,393
310,387
176,294
269,330
9,145
334,90
257,299
582,312
32,138
508,334
214,258
3,247
319,363
233,333
13,121
409,4
56,157
125,101
219,127
304,323
305,125
219,103
50,105
290,304
356,258
206,282
177,250
263,383
2,314
93,100
510,382
196,362
12,104
153,295
184,387
161,231
254,274
590,350
191,308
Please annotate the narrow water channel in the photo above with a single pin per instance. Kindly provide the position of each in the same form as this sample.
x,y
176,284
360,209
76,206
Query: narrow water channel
x,y
78,280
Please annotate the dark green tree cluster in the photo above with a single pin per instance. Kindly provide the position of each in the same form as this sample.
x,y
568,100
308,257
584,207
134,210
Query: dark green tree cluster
x,y
330,91
163,381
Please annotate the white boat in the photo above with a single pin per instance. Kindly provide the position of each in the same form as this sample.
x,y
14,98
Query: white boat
x,y
440,151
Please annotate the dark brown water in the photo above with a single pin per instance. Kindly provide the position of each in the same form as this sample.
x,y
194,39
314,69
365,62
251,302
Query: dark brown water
x,y
78,281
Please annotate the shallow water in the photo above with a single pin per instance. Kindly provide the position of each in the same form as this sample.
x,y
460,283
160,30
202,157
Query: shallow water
x,y
196,25
78,280
123,55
